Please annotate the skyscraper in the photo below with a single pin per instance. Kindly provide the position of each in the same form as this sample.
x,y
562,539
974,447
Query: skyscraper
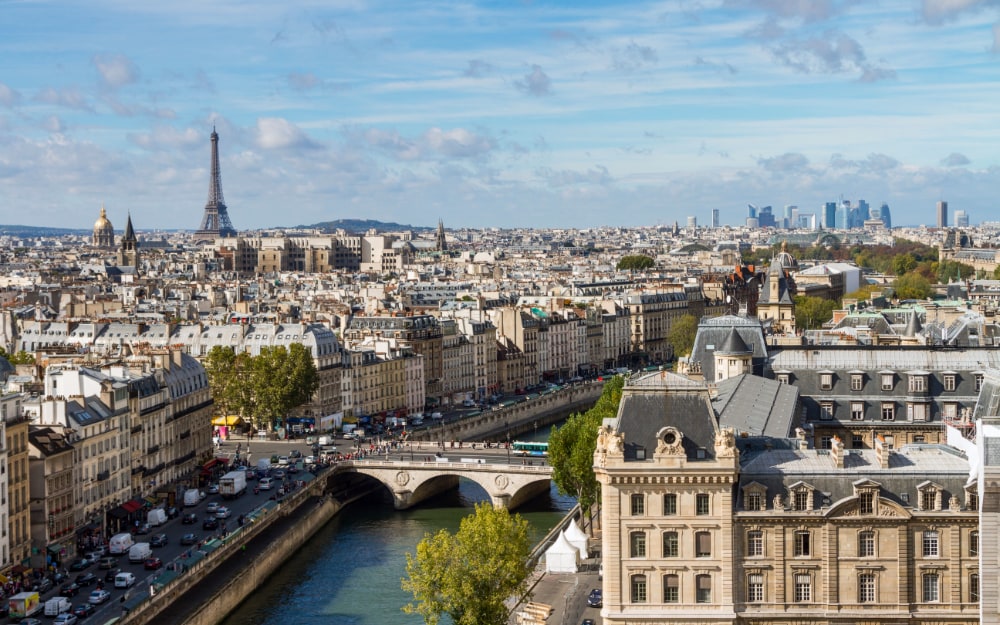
x,y
692,222
715,218
961,219
215,222
829,218
942,214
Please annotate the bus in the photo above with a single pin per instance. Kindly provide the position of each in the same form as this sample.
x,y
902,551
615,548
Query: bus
x,y
530,448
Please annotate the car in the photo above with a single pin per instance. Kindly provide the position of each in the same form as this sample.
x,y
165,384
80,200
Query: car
x,y
109,577
595,599
151,564
86,579
210,523
159,540
189,519
79,564
189,539
172,512
295,453
143,529
66,618
587,621
213,489
69,590
107,562
30,621
83,610
95,554
43,584
223,513
278,474
212,507
310,460
97,597
124,580
265,483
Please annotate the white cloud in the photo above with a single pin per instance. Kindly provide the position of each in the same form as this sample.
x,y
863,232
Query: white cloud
x,y
276,133
9,97
69,97
168,138
116,70
535,83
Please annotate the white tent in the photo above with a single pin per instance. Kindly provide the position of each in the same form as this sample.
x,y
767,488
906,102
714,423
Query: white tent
x,y
561,557
577,538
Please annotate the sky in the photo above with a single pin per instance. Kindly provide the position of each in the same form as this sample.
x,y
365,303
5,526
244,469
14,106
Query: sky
x,y
507,113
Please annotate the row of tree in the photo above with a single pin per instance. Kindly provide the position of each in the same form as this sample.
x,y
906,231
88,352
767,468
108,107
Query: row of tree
x,y
263,388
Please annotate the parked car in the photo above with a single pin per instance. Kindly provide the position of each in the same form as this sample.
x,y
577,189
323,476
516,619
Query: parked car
x,y
69,590
189,519
83,610
97,597
42,585
587,621
189,539
210,523
223,513
595,599
159,540
86,579
151,564
79,564
66,618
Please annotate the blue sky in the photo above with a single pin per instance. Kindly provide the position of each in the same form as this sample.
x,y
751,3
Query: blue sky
x,y
505,113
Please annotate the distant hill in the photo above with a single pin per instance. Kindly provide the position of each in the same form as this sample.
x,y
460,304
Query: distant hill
x,y
361,226
40,231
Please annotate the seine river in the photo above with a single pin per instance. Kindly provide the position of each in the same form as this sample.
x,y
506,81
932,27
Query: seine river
x,y
350,572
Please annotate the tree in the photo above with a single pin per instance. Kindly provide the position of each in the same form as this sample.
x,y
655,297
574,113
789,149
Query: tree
x,y
571,447
636,262
681,335
812,312
470,575
912,286
20,358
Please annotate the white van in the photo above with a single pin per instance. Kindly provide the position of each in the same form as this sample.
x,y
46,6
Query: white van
x,y
191,497
139,552
124,580
120,543
57,605
156,516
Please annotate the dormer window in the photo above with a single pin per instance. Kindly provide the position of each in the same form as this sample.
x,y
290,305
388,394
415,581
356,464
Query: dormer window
x,y
929,496
826,381
972,497
801,497
754,497
857,381
918,382
783,378
949,382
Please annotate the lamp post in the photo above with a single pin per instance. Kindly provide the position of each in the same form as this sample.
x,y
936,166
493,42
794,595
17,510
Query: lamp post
x,y
506,424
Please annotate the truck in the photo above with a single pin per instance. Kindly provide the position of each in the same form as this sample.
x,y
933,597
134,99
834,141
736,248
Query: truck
x,y
191,497
120,543
24,604
57,605
139,552
233,484
156,516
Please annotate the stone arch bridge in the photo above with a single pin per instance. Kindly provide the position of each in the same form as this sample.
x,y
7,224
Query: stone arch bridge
x,y
412,481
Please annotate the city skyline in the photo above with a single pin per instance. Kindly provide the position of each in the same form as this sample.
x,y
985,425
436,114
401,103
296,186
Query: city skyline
x,y
488,114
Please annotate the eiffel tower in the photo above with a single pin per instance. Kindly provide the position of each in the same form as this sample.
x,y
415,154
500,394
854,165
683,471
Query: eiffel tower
x,y
216,222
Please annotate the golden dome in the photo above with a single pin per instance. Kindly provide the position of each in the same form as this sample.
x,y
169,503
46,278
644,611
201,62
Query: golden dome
x,y
102,222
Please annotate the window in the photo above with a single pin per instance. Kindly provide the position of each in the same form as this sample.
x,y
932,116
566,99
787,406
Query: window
x,y
825,442
703,588
826,381
857,441
802,543
783,378
701,507
638,589
930,544
857,411
638,505
800,500
702,544
669,505
974,543
671,589
979,382
755,588
826,410
887,380
930,587
918,384
917,411
803,587
972,499
753,501
949,410
888,412
637,544
866,502
857,381
755,543
671,545
928,499
866,544
974,587
867,589
949,382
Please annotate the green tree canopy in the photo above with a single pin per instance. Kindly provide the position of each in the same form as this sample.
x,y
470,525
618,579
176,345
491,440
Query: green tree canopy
x,y
636,262
20,358
813,312
681,335
261,388
571,447
470,574
912,286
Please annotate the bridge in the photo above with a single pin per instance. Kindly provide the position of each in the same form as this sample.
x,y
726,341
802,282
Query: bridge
x,y
415,475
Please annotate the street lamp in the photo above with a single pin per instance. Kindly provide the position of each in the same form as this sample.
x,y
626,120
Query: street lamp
x,y
506,424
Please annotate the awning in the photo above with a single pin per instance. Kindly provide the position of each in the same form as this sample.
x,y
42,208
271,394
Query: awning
x,y
132,506
228,420
118,513
211,463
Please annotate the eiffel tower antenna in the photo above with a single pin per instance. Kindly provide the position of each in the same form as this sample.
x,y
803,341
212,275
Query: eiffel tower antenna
x,y
215,223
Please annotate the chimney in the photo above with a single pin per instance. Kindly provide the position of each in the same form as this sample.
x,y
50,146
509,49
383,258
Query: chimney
x,y
837,451
882,452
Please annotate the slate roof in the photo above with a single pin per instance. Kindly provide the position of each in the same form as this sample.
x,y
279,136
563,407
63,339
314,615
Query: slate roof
x,y
660,399
757,406
733,344
713,332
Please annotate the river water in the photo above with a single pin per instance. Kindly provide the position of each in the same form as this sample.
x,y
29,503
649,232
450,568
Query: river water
x,y
349,573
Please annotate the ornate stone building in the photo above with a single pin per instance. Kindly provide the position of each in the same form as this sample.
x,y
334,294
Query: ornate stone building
x,y
104,232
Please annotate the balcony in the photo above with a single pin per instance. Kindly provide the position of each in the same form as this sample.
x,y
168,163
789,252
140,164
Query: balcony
x,y
103,475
